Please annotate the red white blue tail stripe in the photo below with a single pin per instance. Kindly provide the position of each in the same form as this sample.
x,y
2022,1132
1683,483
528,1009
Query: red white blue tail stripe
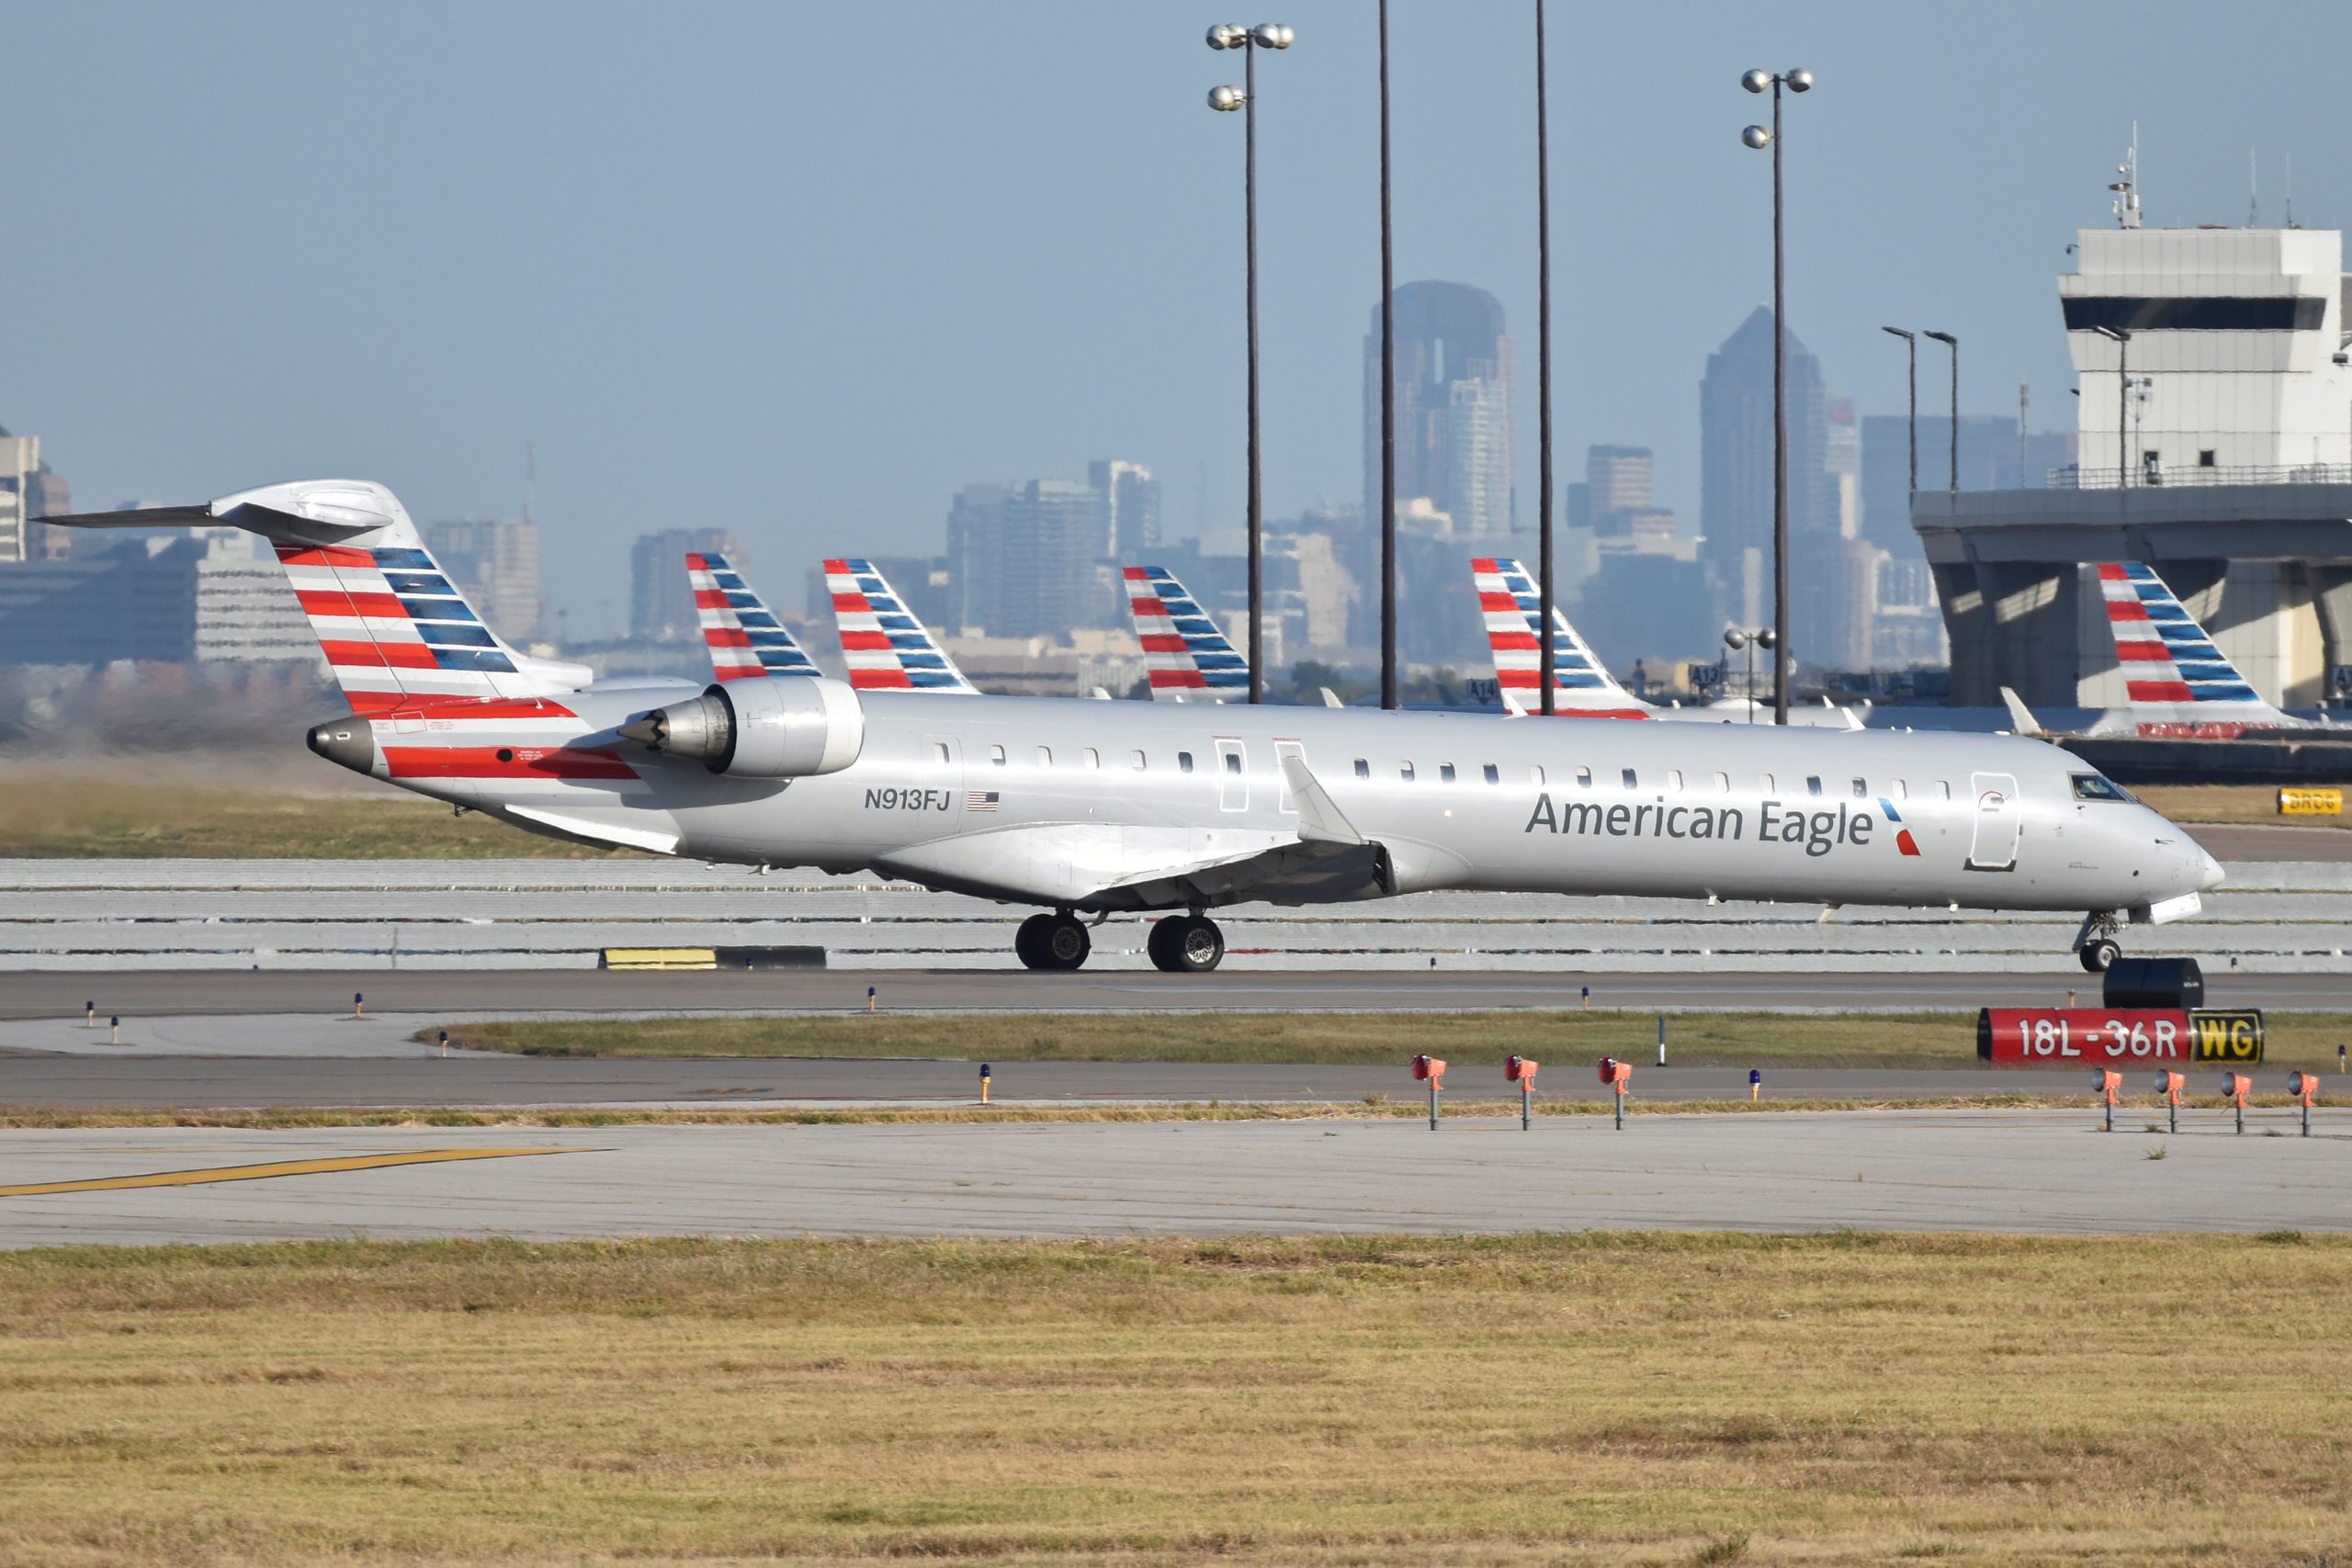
x,y
2177,680
1185,653
743,634
1513,612
886,648
395,629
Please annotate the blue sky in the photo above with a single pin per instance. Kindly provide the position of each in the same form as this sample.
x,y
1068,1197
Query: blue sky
x,y
801,270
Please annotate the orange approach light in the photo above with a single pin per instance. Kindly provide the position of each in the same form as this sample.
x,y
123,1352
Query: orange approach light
x,y
1428,1067
1520,1070
2109,1082
2169,1086
1613,1071
2304,1086
2237,1085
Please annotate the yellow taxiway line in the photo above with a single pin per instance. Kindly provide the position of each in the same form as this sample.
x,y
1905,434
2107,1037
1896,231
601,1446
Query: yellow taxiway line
x,y
261,1172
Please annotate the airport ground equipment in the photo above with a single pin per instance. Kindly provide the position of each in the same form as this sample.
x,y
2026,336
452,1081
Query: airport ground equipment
x,y
1430,1070
987,1072
2304,1086
1093,809
2176,983
2109,1084
1618,1076
2237,1085
2064,1037
2168,1084
1521,1071
1755,1085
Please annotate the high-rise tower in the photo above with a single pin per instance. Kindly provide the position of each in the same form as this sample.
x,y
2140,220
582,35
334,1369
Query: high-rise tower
x,y
1453,408
1736,465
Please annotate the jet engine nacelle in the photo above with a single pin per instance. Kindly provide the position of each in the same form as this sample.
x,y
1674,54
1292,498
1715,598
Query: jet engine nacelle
x,y
775,728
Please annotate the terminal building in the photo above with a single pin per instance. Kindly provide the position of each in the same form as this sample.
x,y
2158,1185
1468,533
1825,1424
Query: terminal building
x,y
2215,380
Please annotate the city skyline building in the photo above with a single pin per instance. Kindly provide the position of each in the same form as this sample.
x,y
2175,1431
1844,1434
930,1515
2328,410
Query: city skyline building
x,y
661,600
1454,434
1735,496
496,561
1130,506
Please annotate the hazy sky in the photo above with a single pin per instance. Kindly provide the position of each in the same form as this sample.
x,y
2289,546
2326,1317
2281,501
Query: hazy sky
x,y
801,270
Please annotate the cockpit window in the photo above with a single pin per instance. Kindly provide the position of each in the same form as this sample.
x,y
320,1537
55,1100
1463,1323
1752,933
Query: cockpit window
x,y
2098,786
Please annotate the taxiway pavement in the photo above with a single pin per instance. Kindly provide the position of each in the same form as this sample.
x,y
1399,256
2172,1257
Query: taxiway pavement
x,y
2049,1172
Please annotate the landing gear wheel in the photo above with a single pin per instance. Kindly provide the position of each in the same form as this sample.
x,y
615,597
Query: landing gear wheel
x,y
1029,943
1066,943
2098,956
1186,944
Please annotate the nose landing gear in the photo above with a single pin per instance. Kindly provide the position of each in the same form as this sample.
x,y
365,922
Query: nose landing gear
x,y
2094,944
1185,945
1052,941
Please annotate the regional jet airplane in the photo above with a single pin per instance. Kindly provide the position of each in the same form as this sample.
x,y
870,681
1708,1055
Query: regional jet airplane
x,y
1100,808
1582,686
2177,683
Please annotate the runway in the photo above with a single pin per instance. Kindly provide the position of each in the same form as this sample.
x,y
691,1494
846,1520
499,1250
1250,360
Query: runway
x,y
2049,1172
441,993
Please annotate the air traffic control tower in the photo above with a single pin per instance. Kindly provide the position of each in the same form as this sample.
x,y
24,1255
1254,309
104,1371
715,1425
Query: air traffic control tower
x,y
2216,445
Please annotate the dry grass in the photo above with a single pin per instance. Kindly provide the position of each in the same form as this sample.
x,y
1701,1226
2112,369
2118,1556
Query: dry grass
x,y
1601,1399
2227,803
1568,1039
44,817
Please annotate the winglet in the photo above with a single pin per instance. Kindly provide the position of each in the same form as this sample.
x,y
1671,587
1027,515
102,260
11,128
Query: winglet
x,y
2020,716
1319,820
1331,697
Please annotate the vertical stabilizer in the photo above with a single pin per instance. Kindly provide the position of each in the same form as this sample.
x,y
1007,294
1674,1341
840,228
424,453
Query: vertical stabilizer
x,y
1187,656
1513,612
886,648
2175,681
743,634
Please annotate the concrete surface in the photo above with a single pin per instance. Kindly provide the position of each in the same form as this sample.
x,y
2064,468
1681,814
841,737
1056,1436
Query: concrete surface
x,y
433,996
2051,1172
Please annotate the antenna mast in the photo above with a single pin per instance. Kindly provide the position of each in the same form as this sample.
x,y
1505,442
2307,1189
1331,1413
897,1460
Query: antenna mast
x,y
2291,190
2127,187
2252,192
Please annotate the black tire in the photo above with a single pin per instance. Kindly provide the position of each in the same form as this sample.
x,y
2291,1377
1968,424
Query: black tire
x,y
1066,943
2099,956
1029,943
1161,943
1198,945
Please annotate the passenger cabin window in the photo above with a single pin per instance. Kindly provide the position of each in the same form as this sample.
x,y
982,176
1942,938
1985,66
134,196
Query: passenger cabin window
x,y
1093,759
1494,774
1405,771
1811,784
939,752
1861,790
1363,769
1233,761
1445,773
1134,760
1583,778
996,755
2098,786
1632,780
1183,762
1674,778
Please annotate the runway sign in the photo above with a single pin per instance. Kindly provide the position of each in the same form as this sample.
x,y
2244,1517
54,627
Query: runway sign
x,y
2108,1036
711,958
2310,803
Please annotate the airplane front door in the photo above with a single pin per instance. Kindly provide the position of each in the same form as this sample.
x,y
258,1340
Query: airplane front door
x,y
1994,845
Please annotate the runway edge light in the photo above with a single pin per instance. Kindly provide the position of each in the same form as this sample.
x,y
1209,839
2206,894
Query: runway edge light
x,y
1618,1074
1520,1070
1432,1070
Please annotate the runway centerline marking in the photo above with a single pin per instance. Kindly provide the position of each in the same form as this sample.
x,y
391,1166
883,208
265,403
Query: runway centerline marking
x,y
264,1172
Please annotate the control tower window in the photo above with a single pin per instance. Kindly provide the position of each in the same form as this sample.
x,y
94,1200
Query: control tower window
x,y
2205,457
2098,786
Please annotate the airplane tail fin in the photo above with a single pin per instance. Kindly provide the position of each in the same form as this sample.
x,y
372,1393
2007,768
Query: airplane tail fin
x,y
743,635
1513,610
886,647
2176,681
1185,652
394,628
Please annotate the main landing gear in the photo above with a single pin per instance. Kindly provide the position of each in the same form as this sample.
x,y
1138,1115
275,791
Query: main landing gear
x,y
1052,941
1186,944
2094,944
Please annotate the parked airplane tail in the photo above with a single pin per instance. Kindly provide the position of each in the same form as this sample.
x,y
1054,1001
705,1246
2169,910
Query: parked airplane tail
x,y
395,630
2177,683
1184,652
886,647
744,636
1582,686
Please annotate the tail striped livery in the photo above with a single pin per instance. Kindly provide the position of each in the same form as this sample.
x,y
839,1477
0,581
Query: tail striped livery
x,y
888,649
1183,651
744,636
2177,682
1513,609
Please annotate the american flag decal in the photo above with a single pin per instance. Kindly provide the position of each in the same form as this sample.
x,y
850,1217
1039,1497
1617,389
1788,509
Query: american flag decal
x,y
981,800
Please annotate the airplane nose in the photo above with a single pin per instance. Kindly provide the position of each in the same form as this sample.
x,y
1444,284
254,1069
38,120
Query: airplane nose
x,y
2210,872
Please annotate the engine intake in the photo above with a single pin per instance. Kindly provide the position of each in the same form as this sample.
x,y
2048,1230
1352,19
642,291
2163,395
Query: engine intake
x,y
774,727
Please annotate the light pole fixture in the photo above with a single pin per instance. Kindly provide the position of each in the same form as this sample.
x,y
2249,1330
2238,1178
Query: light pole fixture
x,y
1250,40
1545,663
1953,344
1911,342
1760,137
1388,401
1751,639
2121,337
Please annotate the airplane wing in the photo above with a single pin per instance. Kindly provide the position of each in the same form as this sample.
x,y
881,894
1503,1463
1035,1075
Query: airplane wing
x,y
1186,654
744,636
1582,686
886,647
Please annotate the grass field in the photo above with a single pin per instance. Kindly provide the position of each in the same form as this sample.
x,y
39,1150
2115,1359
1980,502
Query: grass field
x,y
1574,1039
50,817
49,813
1594,1399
